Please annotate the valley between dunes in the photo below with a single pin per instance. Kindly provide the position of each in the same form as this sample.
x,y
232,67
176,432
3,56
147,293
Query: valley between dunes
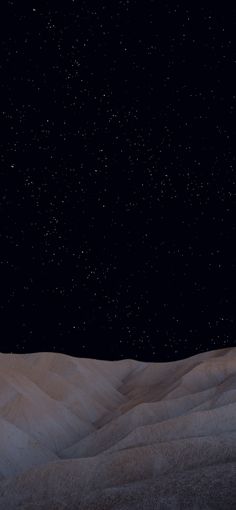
x,y
86,434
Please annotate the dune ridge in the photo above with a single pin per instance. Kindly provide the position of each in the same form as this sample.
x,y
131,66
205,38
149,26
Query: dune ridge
x,y
88,434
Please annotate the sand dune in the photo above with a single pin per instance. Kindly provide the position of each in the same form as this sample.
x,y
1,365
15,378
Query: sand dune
x,y
88,434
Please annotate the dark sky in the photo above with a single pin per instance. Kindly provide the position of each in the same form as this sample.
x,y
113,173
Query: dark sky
x,y
117,188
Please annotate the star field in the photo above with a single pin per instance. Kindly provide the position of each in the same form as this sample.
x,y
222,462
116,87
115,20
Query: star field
x,y
118,182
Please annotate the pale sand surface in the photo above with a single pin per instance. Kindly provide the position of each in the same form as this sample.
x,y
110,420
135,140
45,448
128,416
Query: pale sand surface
x,y
85,434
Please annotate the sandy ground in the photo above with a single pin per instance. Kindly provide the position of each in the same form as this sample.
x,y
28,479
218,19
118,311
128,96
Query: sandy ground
x,y
85,434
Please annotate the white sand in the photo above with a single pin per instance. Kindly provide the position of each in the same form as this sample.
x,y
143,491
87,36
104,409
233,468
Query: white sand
x,y
84,434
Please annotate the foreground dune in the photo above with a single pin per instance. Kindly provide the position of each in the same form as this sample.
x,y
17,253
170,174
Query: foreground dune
x,y
84,434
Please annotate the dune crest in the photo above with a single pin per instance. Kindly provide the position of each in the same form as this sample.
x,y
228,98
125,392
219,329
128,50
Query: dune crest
x,y
88,434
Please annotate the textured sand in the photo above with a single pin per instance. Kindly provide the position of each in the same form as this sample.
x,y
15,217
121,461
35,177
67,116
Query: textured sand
x,y
84,434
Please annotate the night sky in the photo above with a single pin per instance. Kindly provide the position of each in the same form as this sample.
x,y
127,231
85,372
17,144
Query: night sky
x,y
118,178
